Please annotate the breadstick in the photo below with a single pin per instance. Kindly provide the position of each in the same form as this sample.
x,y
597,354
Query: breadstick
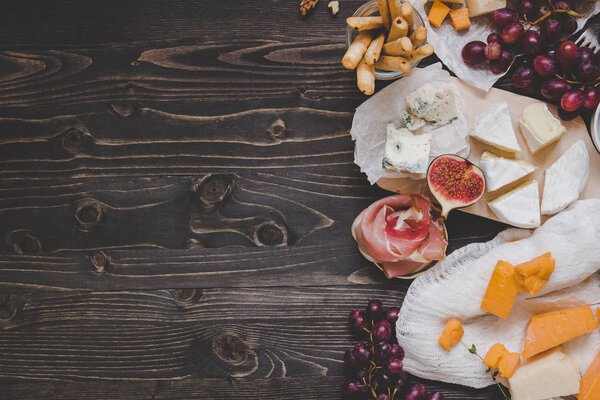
x,y
389,63
364,23
399,29
374,49
357,49
418,36
399,47
365,77
384,11
424,51
395,8
406,12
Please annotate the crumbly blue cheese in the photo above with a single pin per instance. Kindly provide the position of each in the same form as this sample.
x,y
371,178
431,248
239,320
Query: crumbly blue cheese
x,y
412,122
405,151
435,104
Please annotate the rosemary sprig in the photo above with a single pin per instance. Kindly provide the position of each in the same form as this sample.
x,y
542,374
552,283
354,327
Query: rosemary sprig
x,y
473,350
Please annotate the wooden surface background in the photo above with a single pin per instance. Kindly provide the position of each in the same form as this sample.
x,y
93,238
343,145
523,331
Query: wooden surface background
x,y
176,190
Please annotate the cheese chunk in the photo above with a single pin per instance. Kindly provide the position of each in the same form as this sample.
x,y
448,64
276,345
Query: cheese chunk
x,y
460,19
494,127
552,329
452,334
480,7
500,171
437,13
566,179
501,291
548,375
589,387
519,207
539,126
405,151
435,104
498,357
532,276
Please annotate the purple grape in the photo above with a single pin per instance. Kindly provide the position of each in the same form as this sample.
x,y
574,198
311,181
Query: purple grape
x,y
436,396
532,42
397,351
362,353
512,33
494,38
350,388
382,332
351,361
375,309
393,366
550,29
473,53
383,396
416,392
568,55
358,320
493,51
591,97
392,315
568,24
504,16
501,65
553,89
527,8
523,77
587,71
401,381
567,115
362,375
543,9
383,381
571,100
586,55
383,351
563,5
544,66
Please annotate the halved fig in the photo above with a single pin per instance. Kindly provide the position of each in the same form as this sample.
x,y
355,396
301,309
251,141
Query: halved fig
x,y
455,182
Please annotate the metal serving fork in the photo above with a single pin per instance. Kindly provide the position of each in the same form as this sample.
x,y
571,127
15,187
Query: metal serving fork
x,y
590,37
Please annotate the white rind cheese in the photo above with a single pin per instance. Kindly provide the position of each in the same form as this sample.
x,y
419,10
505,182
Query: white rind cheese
x,y
494,127
405,151
480,7
435,104
551,374
500,171
539,127
519,207
566,179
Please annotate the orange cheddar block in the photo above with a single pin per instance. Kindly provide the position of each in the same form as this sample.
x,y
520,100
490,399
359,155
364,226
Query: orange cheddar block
x,y
438,13
552,329
533,275
501,292
498,357
460,19
589,386
451,335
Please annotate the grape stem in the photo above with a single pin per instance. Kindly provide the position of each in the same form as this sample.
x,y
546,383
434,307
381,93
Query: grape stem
x,y
549,14
596,82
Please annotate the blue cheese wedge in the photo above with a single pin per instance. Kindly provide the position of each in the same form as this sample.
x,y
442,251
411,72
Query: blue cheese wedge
x,y
500,171
435,104
412,122
566,179
494,127
405,151
540,128
519,207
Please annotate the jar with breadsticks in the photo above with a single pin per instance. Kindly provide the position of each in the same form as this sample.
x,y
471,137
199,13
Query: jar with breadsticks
x,y
385,40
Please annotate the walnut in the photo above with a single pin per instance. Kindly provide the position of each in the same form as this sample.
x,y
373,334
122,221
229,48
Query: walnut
x,y
306,6
334,7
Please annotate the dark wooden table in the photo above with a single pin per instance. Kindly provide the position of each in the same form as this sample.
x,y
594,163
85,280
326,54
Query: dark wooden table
x,y
176,190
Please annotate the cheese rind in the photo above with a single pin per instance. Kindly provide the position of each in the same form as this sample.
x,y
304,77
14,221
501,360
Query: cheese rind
x,y
451,334
501,291
405,151
494,127
500,171
552,329
548,375
539,127
480,7
519,207
589,387
566,179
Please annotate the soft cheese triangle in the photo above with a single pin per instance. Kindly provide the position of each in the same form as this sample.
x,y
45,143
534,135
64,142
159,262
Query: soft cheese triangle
x,y
494,127
539,126
500,171
566,179
519,207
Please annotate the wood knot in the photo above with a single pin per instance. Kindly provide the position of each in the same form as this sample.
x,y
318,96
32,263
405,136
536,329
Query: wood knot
x,y
100,261
22,241
214,189
188,295
88,214
75,140
230,348
9,305
277,128
271,235
123,109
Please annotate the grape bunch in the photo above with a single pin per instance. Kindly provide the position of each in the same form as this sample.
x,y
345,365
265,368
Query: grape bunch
x,y
374,366
535,35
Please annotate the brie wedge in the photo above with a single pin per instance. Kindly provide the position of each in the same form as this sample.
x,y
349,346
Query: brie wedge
x,y
494,127
548,375
480,7
405,151
435,104
539,126
566,179
500,171
519,207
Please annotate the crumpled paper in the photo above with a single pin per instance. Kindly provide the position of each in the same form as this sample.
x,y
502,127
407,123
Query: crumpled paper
x,y
448,43
369,126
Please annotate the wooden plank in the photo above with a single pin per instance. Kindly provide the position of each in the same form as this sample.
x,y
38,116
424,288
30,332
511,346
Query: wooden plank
x,y
219,335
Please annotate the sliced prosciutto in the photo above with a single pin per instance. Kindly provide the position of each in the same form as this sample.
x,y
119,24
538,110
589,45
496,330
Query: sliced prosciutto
x,y
401,233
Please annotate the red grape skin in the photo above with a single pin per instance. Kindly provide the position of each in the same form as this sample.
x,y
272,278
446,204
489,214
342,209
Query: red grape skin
x,y
591,97
493,51
504,16
567,115
568,55
527,8
532,42
585,54
375,309
416,392
512,33
550,30
553,89
494,38
587,71
563,5
571,100
501,64
544,66
523,77
474,53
